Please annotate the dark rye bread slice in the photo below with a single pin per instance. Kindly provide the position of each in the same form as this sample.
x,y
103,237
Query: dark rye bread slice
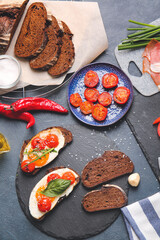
x,y
66,57
10,15
67,139
77,180
108,197
31,40
49,56
110,165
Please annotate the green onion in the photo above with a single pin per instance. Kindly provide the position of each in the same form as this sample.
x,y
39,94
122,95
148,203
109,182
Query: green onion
x,y
45,153
141,37
144,24
136,29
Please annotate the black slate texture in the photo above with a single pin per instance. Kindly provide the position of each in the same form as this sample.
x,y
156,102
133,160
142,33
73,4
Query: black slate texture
x,y
144,111
68,220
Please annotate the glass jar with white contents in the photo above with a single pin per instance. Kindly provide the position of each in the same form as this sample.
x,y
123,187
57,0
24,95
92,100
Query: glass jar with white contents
x,y
10,72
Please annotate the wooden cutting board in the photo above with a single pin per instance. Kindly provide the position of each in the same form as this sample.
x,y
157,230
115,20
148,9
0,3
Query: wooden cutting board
x,y
144,84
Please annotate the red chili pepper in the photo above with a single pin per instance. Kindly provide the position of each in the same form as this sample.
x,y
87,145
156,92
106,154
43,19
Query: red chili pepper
x,y
5,110
35,103
157,120
158,129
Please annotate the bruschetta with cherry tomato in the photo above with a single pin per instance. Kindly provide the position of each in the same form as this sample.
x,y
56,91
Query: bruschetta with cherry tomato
x,y
57,184
43,148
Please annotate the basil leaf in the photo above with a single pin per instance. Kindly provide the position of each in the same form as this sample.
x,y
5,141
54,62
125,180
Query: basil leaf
x,y
56,187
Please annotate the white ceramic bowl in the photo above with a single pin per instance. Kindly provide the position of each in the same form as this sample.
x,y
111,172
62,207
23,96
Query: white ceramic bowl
x,y
10,71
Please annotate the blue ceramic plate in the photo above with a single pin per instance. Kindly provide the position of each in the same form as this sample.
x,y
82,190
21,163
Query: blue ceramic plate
x,y
115,111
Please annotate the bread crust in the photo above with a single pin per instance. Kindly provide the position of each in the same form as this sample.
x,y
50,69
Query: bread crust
x,y
108,197
110,165
67,136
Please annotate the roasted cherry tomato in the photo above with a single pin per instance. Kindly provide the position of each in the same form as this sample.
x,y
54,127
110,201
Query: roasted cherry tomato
x,y
75,99
86,107
39,195
105,99
51,141
91,94
44,204
99,112
109,80
69,176
91,79
158,129
121,95
38,143
52,177
28,167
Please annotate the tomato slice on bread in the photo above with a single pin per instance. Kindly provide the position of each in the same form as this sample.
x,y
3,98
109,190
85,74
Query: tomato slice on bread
x,y
86,107
121,95
91,79
91,94
109,80
69,176
38,143
105,99
75,99
52,177
27,166
51,140
99,112
44,204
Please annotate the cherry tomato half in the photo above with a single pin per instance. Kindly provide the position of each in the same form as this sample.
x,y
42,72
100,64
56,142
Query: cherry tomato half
x,y
109,80
51,141
75,99
121,95
69,176
44,204
86,107
38,143
105,99
52,177
91,94
91,79
99,112
29,167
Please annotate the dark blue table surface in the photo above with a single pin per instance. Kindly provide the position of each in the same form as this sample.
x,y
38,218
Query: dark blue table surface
x,y
13,223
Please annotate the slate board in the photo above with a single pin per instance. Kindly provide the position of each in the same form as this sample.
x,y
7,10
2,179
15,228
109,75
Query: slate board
x,y
68,220
144,84
144,111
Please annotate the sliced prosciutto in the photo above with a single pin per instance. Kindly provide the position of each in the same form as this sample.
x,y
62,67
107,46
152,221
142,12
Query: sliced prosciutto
x,y
151,61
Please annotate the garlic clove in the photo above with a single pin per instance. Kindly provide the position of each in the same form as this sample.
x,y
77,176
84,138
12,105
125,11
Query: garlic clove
x,y
134,179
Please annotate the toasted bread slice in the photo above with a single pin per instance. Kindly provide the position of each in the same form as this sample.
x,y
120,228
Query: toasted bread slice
x,y
67,54
33,202
64,137
32,39
110,165
49,56
10,14
108,197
